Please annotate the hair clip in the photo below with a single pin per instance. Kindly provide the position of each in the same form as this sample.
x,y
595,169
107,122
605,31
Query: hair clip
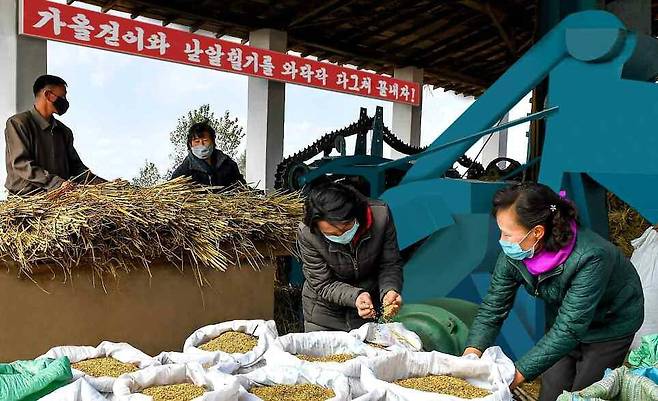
x,y
553,208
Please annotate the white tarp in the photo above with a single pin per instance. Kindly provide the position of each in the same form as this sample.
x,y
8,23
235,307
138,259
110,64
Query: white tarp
x,y
645,260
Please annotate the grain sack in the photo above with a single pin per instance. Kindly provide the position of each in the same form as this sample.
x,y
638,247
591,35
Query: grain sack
x,y
265,331
94,359
645,260
304,374
390,336
79,390
162,380
207,360
493,372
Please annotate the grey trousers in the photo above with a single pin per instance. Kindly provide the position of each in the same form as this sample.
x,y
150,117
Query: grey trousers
x,y
582,367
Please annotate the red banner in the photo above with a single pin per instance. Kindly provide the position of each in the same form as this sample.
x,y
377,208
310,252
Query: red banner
x,y
60,22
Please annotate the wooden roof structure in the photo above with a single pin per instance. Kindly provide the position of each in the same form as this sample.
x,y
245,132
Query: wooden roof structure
x,y
462,45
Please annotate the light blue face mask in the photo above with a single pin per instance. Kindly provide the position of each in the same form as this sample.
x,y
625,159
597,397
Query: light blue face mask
x,y
514,251
203,152
346,237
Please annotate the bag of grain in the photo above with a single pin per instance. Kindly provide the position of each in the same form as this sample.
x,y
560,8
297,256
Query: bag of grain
x,y
303,383
391,336
79,390
645,260
433,376
219,361
243,342
176,382
101,365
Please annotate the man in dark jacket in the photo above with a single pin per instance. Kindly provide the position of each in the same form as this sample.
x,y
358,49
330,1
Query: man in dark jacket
x,y
351,260
205,164
39,149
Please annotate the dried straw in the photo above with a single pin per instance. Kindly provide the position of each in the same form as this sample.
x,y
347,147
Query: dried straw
x,y
104,367
116,226
625,224
232,342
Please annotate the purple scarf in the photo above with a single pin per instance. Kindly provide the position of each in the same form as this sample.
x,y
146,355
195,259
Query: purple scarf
x,y
545,261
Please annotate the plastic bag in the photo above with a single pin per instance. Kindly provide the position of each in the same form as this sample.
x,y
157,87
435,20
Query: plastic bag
x,y
228,363
645,260
646,355
120,351
618,385
79,390
392,336
31,380
221,387
493,372
308,373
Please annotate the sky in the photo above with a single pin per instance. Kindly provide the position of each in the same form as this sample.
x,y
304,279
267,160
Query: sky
x,y
123,107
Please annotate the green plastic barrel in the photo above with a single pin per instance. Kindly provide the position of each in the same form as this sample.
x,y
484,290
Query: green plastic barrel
x,y
441,323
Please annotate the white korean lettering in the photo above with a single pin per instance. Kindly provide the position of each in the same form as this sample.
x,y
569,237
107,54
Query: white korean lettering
x,y
136,37
290,68
341,80
366,83
158,41
355,82
267,66
215,54
235,58
193,51
252,60
413,95
394,90
82,27
53,14
110,33
306,72
382,86
321,75
404,92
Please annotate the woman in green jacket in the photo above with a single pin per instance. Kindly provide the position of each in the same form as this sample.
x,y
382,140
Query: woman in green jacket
x,y
592,293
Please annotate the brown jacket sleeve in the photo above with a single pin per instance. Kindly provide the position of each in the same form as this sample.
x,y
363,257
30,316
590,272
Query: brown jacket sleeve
x,y
21,169
390,273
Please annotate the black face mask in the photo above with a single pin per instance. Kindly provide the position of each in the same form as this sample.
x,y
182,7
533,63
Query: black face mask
x,y
61,105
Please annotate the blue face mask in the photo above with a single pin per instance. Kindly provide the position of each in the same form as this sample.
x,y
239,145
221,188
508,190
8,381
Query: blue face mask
x,y
202,151
514,251
346,237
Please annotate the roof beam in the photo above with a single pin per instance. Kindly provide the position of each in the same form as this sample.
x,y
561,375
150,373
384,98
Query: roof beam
x,y
108,6
197,25
497,16
318,11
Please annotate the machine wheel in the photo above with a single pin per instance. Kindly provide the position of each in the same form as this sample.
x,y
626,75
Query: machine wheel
x,y
294,174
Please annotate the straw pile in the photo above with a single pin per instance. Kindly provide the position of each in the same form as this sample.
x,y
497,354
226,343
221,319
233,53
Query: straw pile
x,y
116,226
231,342
625,224
339,358
297,392
175,392
447,385
104,367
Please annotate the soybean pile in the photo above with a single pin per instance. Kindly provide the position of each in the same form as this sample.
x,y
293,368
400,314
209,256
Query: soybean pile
x,y
175,392
297,392
447,385
231,342
104,367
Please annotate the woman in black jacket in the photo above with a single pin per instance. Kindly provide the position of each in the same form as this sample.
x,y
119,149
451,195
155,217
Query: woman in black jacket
x,y
351,260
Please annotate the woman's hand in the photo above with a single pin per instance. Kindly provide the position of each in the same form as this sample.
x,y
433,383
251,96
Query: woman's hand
x,y
518,379
474,351
392,303
364,306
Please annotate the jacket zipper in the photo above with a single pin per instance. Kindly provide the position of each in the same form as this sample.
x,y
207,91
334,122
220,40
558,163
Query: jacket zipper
x,y
558,270
354,258
210,179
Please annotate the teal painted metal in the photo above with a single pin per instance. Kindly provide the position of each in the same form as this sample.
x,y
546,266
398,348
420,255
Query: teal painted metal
x,y
602,137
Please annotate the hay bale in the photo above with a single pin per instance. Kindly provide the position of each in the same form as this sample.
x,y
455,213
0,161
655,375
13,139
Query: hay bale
x,y
175,392
104,367
231,342
339,358
297,392
447,385
625,224
116,226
